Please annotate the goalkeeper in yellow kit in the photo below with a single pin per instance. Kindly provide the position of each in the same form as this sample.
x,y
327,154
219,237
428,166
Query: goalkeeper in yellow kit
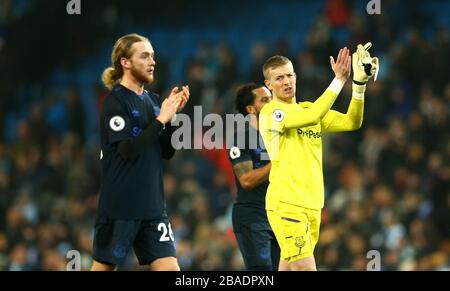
x,y
292,134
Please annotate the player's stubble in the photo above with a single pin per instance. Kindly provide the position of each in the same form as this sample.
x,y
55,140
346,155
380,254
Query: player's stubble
x,y
142,76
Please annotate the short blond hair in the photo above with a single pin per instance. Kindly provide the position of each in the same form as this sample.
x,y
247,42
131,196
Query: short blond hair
x,y
274,62
122,49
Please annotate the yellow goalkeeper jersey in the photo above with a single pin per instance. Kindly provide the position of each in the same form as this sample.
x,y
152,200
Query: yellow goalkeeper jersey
x,y
293,137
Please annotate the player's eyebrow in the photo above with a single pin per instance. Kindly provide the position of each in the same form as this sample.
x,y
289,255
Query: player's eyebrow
x,y
146,54
281,75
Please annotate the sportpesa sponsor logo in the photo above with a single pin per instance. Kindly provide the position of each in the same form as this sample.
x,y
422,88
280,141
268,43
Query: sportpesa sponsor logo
x,y
309,133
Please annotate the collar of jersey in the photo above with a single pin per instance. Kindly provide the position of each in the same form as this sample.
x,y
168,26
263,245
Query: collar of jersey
x,y
131,92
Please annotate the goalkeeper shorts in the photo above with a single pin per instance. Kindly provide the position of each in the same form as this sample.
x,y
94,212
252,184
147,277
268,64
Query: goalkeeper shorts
x,y
296,229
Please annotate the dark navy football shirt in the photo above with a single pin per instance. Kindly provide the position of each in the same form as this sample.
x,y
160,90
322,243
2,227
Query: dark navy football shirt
x,y
131,188
253,150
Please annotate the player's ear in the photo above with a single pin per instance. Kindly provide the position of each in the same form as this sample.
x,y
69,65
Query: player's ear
x,y
268,85
250,109
126,64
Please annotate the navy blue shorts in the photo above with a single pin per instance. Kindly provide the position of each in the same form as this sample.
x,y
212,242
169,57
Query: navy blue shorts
x,y
257,242
150,239
259,248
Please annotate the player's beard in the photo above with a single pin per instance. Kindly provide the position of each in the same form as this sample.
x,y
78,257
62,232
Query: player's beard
x,y
142,77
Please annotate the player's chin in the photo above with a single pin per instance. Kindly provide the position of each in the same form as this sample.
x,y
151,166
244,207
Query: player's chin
x,y
288,96
148,78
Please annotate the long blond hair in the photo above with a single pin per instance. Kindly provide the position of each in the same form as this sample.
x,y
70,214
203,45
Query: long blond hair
x,y
122,49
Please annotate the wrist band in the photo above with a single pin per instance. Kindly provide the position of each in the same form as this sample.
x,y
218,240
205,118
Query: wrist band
x,y
359,83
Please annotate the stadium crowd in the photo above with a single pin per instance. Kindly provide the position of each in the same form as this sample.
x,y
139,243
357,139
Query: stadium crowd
x,y
387,185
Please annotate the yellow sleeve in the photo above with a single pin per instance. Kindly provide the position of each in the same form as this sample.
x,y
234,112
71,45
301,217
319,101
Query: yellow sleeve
x,y
335,121
286,116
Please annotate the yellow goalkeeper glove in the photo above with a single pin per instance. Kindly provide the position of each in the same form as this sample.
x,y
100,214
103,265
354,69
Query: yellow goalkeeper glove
x,y
364,66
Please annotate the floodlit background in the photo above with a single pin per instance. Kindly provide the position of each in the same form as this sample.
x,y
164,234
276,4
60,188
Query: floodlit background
x,y
387,185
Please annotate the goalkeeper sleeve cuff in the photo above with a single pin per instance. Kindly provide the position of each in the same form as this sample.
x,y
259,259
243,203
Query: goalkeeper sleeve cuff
x,y
358,91
336,86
